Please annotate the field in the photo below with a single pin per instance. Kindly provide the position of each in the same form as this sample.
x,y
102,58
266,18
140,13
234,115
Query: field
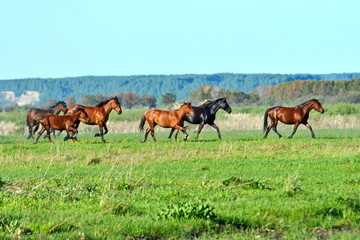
x,y
241,187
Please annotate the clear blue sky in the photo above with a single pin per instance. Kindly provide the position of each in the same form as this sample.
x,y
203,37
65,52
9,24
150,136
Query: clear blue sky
x,y
64,38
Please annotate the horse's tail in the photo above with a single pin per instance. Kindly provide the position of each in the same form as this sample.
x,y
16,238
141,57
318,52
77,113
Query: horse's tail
x,y
265,120
142,122
27,121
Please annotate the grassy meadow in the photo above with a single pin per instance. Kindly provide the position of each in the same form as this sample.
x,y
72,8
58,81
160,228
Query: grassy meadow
x,y
241,187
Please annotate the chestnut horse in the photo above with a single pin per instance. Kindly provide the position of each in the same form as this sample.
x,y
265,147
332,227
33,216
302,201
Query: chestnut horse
x,y
34,115
63,122
99,114
291,115
166,119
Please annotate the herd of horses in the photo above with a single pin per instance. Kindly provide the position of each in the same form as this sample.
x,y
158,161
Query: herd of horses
x,y
201,115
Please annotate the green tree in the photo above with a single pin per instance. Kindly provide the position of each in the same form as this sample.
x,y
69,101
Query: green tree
x,y
168,98
88,100
70,101
130,99
148,100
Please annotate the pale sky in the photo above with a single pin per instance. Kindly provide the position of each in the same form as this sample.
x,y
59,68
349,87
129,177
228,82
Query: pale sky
x,y
68,38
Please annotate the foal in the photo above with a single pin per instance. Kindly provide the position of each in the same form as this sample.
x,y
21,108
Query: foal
x,y
34,115
166,119
63,122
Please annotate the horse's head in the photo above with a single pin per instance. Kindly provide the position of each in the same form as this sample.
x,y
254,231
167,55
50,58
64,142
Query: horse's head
x,y
186,107
224,105
115,104
317,106
60,106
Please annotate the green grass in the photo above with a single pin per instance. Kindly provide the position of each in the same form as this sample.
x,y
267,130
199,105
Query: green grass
x,y
241,187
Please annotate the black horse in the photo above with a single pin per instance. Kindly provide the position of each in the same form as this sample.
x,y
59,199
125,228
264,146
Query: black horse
x,y
205,114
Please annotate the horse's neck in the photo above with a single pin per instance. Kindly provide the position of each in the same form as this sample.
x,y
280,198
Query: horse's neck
x,y
76,116
56,111
180,113
307,108
215,108
107,108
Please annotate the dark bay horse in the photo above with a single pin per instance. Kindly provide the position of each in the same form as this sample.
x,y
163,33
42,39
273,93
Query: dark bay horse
x,y
166,119
34,115
205,114
291,115
63,122
99,114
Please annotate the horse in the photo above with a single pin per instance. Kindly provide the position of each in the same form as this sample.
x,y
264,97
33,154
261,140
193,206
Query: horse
x,y
205,114
291,115
166,119
63,122
34,115
99,115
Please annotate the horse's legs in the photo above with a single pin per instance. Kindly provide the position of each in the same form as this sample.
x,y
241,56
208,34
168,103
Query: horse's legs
x,y
54,133
186,137
153,134
36,127
101,126
146,135
30,132
39,134
294,131
310,128
217,129
101,134
51,131
267,132
173,129
200,127
74,133
176,133
177,127
171,132
274,127
106,129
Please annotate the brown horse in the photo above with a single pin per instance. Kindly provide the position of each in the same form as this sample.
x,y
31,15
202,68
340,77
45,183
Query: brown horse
x,y
63,122
291,115
166,119
99,114
34,115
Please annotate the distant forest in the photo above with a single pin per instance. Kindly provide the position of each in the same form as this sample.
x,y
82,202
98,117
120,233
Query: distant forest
x,y
155,85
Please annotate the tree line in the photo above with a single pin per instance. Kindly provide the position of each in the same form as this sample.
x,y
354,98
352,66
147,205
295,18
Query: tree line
x,y
155,85
293,92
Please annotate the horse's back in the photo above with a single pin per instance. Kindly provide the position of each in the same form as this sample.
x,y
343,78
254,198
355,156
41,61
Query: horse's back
x,y
73,108
200,113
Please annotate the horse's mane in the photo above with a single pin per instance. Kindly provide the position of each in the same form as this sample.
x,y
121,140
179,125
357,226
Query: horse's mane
x,y
104,102
176,106
307,102
212,103
206,101
57,104
78,109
